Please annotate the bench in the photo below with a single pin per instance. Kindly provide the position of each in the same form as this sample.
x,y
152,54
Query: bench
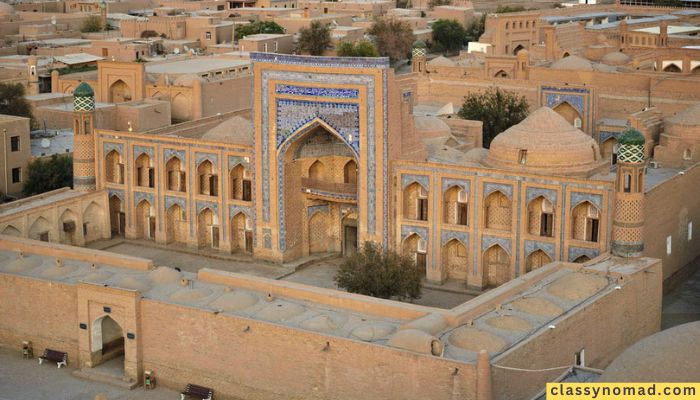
x,y
199,392
59,357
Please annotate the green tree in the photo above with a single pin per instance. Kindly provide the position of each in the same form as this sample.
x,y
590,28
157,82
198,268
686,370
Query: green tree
x,y
44,174
497,109
475,29
93,23
362,48
12,101
448,35
385,274
392,37
315,39
256,27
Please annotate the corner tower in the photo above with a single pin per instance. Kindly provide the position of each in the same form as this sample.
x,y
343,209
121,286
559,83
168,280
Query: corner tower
x,y
628,222
83,138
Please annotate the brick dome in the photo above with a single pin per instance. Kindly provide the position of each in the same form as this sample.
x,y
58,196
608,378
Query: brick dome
x,y
545,143
685,124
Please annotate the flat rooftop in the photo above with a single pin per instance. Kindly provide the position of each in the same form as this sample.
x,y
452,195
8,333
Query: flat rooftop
x,y
19,206
195,65
58,142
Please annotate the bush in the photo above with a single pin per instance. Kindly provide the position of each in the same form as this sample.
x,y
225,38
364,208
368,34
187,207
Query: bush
x,y
92,23
360,49
373,272
44,175
497,109
315,39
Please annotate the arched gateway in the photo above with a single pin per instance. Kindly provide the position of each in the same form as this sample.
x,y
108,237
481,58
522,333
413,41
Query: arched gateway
x,y
321,139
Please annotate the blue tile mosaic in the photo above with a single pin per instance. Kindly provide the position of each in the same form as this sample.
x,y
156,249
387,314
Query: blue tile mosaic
x,y
408,230
446,236
344,118
317,91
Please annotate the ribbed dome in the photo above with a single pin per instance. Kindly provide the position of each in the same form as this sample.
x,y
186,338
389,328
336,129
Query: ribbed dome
x,y
672,355
83,90
545,143
615,58
572,63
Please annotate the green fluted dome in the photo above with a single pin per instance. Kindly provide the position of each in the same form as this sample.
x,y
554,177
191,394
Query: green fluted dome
x,y
83,90
632,136
419,44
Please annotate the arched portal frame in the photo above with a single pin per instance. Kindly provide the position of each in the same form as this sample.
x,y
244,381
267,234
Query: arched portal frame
x,y
309,127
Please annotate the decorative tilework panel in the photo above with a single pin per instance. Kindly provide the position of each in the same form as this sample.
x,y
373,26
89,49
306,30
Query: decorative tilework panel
x,y
317,91
574,96
448,183
533,193
118,193
595,199
169,153
200,157
488,241
267,238
108,146
576,252
140,196
605,135
407,179
138,150
344,118
531,245
407,230
500,187
446,236
234,209
201,205
235,160
323,208
171,200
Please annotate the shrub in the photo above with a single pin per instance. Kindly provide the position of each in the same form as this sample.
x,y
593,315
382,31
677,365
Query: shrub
x,y
385,274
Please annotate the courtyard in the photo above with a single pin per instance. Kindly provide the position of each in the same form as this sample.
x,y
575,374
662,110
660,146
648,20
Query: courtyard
x,y
314,271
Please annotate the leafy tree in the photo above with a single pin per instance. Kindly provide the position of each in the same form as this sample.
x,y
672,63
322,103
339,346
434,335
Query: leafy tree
x,y
12,101
436,3
44,174
392,37
315,39
448,35
93,23
373,272
403,3
256,27
475,29
360,49
497,109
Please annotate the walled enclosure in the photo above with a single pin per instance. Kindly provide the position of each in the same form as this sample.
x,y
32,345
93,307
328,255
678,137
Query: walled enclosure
x,y
245,357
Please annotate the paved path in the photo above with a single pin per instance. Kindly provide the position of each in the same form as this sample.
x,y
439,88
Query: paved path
x,y
22,379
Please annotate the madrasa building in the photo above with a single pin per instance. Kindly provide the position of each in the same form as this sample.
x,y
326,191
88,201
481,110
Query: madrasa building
x,y
333,154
